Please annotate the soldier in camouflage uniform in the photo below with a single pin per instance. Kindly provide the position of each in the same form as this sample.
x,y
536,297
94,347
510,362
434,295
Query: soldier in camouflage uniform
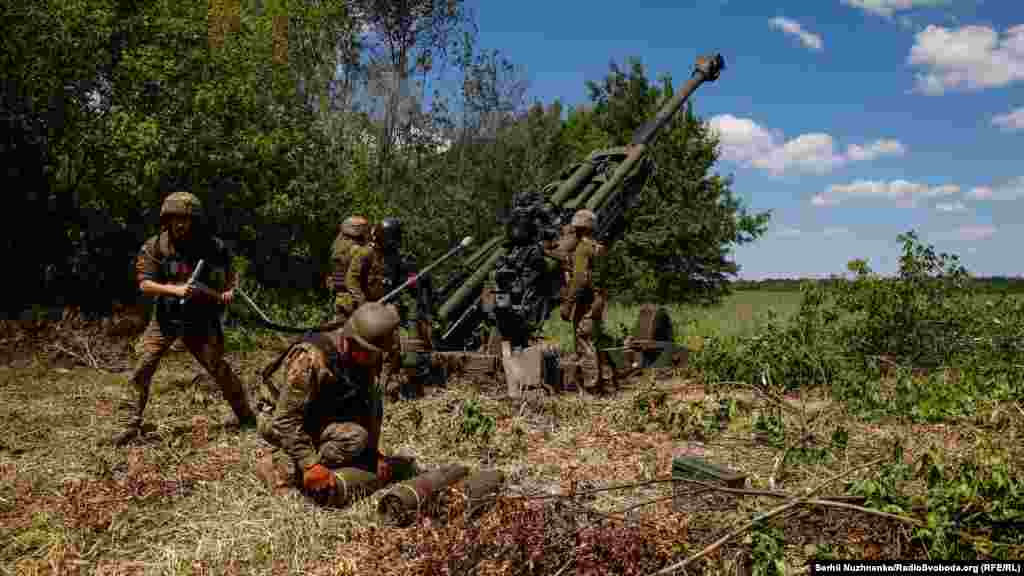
x,y
377,270
353,235
163,268
586,304
366,279
329,412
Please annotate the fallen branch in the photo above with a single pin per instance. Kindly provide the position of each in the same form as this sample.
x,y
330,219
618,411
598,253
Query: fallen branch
x,y
896,517
75,355
776,467
92,359
806,497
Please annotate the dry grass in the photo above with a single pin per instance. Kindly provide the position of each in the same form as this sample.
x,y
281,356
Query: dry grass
x,y
187,501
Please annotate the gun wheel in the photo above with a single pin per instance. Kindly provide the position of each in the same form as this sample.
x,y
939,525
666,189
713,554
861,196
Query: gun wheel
x,y
653,324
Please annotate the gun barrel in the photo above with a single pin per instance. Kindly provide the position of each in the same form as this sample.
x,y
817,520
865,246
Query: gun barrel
x,y
636,152
477,256
581,174
706,70
469,285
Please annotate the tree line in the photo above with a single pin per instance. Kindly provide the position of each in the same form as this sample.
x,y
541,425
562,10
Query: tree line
x,y
284,118
978,284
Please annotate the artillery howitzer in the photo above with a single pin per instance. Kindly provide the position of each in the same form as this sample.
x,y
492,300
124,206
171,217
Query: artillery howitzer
x,y
506,289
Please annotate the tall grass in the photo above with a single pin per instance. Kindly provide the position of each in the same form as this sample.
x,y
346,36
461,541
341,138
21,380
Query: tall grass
x,y
737,315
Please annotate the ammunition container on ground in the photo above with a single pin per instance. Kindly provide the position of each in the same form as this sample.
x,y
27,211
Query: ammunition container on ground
x,y
353,484
404,502
475,490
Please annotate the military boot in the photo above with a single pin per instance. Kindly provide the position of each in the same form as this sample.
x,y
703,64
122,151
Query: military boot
x,y
130,433
127,435
238,397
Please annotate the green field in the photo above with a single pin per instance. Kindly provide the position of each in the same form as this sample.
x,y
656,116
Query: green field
x,y
736,315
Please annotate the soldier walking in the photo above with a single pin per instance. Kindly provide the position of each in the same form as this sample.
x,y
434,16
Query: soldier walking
x,y
163,267
586,303
353,235
329,412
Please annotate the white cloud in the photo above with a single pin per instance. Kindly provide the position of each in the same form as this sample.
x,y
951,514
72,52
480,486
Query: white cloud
x,y
966,233
1010,190
874,150
888,7
746,142
827,232
904,192
974,233
969,57
792,27
957,206
1012,120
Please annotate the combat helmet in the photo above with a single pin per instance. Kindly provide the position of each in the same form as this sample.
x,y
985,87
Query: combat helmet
x,y
354,227
584,219
390,233
373,326
181,204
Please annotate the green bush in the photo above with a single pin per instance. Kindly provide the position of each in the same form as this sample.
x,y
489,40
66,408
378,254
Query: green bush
x,y
924,344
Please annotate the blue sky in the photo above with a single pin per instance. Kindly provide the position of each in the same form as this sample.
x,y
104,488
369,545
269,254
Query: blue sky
x,y
852,120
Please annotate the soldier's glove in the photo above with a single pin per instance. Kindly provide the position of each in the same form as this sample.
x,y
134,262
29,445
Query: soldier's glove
x,y
318,480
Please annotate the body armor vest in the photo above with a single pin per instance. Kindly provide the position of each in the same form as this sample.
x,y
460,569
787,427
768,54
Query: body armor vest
x,y
177,268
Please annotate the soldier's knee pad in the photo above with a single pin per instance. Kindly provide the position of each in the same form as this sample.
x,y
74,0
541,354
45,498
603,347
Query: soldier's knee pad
x,y
341,443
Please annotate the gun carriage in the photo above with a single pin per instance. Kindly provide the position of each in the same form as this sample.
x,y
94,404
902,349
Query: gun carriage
x,y
495,302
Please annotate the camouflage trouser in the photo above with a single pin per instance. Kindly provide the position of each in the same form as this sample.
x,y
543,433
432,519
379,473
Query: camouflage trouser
x,y
207,348
339,446
586,326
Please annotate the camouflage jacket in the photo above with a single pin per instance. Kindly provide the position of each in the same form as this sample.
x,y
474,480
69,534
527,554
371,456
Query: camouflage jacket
x,y
341,255
161,260
583,262
365,278
319,389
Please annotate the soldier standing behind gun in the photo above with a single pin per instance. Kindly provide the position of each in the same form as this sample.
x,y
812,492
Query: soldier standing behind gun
x,y
378,269
587,308
353,234
163,268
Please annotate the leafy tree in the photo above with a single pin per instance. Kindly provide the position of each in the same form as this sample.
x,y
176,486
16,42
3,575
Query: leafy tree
x,y
405,38
682,232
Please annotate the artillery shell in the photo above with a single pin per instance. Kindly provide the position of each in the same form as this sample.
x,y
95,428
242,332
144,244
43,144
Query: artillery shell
x,y
403,502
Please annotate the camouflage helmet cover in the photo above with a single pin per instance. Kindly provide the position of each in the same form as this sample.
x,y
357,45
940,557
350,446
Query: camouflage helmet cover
x,y
354,227
181,204
373,326
584,219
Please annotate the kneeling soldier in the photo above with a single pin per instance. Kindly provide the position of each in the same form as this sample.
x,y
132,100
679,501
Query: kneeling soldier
x,y
328,414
